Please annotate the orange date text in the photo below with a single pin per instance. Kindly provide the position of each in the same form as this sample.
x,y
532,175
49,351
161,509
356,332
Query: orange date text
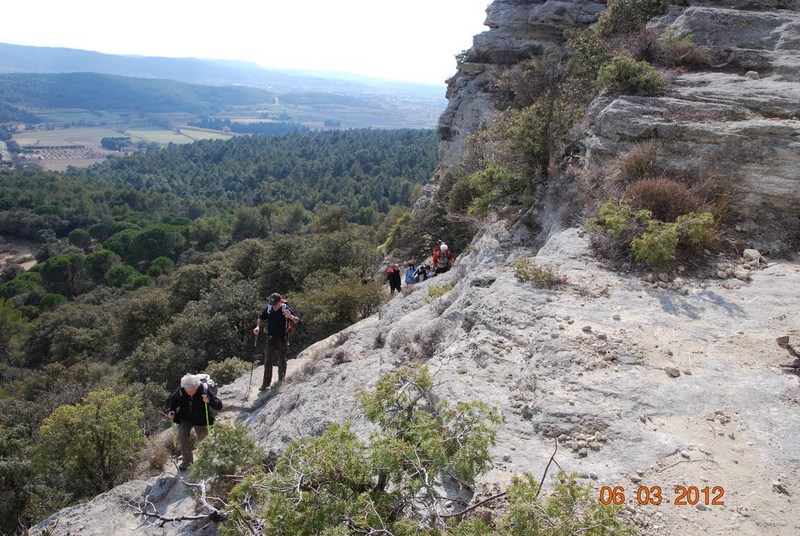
x,y
655,495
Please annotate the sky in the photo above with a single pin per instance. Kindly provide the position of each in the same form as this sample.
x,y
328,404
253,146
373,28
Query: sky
x,y
408,40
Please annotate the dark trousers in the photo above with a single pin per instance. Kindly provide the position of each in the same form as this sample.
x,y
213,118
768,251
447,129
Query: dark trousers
x,y
275,354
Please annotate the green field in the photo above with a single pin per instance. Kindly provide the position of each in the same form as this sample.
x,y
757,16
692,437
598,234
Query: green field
x,y
89,136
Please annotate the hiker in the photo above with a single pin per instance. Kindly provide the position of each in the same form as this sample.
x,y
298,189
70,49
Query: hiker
x,y
421,274
277,315
442,259
410,271
393,276
189,408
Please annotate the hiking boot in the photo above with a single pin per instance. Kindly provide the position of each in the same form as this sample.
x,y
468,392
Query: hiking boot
x,y
262,388
183,467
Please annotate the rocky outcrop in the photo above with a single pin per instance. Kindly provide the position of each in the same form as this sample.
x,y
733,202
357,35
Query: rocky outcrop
x,y
740,118
518,30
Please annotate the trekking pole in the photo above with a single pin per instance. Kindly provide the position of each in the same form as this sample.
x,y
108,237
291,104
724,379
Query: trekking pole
x,y
174,436
208,426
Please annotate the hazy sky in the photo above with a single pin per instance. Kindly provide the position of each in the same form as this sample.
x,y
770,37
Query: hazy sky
x,y
413,40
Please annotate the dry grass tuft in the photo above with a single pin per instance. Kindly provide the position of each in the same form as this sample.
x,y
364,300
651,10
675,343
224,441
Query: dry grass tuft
x,y
636,164
665,198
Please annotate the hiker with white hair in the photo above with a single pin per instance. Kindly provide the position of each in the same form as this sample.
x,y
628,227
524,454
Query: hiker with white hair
x,y
189,409
442,259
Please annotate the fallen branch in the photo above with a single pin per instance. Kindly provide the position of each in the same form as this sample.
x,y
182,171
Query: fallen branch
x,y
546,468
476,505
148,510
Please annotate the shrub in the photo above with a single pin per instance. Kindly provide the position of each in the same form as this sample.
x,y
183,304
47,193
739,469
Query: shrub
x,y
337,484
628,16
697,229
666,199
499,187
638,163
657,245
527,271
229,450
616,218
92,446
571,508
589,53
681,52
51,300
624,75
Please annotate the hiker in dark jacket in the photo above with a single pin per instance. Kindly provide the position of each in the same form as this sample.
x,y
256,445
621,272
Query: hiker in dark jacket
x,y
277,315
393,276
189,408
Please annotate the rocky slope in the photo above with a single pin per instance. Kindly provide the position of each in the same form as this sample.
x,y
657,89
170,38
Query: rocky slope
x,y
649,381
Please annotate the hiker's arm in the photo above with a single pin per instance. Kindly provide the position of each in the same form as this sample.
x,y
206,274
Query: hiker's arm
x,y
289,315
173,406
260,321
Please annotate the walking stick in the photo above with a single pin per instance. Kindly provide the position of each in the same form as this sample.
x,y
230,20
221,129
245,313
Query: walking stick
x,y
208,426
252,366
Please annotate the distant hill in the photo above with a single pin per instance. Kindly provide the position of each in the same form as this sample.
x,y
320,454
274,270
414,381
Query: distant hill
x,y
26,59
110,92
32,78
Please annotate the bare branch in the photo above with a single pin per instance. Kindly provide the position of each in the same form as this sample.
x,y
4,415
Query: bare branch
x,y
476,505
546,468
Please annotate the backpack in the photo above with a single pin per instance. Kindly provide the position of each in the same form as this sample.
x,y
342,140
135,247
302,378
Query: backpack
x,y
209,385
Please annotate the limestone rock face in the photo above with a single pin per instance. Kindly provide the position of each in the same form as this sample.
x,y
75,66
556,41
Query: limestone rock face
x,y
740,119
518,30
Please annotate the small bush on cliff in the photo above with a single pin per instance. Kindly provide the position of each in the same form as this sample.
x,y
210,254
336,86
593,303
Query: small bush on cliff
x,y
619,230
528,271
624,75
666,199
623,17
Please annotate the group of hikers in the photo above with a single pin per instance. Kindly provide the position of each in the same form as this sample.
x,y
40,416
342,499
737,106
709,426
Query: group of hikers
x,y
442,262
192,405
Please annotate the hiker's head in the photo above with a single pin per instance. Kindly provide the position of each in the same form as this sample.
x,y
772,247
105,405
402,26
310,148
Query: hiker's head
x,y
190,384
275,299
443,248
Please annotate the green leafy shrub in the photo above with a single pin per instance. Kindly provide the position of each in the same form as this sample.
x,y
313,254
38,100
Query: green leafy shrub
x,y
624,17
337,484
228,450
698,229
528,271
92,446
51,300
624,75
499,187
616,218
657,245
571,508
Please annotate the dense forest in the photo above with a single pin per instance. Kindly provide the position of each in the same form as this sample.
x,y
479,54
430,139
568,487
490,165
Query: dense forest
x,y
157,264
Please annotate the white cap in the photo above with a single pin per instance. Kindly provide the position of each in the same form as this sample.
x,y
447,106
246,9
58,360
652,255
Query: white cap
x,y
443,247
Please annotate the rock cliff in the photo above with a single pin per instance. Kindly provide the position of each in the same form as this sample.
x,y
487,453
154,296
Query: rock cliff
x,y
642,381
